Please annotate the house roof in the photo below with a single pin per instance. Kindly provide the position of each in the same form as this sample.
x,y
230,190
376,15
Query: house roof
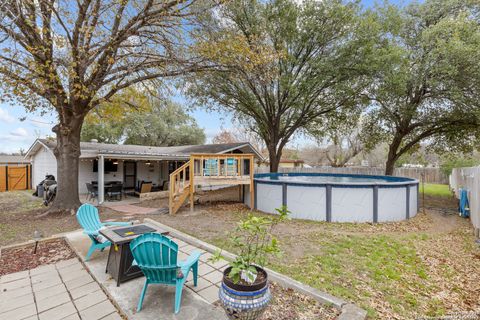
x,y
93,149
6,159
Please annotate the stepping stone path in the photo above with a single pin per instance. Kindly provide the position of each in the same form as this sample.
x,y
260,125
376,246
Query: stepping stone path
x,y
64,290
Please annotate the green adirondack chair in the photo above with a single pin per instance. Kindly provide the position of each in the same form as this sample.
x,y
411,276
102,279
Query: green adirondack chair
x,y
156,256
87,217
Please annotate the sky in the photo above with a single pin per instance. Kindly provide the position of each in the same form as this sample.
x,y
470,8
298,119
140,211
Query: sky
x,y
16,134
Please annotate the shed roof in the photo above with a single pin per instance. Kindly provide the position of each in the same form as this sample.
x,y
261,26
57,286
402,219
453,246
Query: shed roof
x,y
7,158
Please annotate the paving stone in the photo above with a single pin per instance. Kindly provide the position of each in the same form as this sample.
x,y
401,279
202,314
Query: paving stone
x,y
84,290
47,283
206,256
204,269
42,269
188,248
58,312
50,292
74,316
14,276
20,313
74,275
78,282
201,284
220,265
45,276
113,316
7,304
90,300
98,311
66,263
53,302
35,317
71,268
12,285
15,292
210,294
214,277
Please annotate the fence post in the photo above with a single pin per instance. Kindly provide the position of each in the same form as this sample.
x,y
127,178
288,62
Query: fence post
x,y
6,178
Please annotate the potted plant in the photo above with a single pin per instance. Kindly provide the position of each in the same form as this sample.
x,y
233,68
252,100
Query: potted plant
x,y
244,293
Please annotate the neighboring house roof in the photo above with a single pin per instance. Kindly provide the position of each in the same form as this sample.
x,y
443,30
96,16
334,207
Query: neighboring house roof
x,y
93,149
6,159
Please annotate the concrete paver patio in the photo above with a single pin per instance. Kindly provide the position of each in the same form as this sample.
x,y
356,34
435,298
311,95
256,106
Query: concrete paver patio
x,y
64,290
197,302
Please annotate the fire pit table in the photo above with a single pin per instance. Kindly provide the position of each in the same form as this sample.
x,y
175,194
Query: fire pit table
x,y
119,263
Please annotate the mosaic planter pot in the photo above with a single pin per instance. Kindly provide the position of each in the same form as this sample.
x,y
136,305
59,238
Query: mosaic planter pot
x,y
244,302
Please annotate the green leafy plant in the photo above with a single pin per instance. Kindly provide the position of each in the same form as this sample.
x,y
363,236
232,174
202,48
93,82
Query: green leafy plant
x,y
254,241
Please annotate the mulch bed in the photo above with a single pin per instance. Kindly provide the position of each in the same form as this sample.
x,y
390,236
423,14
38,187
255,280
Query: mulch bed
x,y
22,258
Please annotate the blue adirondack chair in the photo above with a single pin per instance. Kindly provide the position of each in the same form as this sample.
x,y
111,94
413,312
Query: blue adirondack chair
x,y
87,217
156,256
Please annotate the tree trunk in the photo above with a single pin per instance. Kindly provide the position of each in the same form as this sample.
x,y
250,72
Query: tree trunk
x,y
67,153
390,166
274,156
393,156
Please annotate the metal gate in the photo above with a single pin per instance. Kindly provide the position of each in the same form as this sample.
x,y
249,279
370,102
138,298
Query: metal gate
x,y
15,178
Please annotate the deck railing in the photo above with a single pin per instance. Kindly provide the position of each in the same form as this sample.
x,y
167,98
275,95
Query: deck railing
x,y
219,169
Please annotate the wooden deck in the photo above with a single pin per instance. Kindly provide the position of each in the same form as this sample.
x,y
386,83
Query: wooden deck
x,y
209,170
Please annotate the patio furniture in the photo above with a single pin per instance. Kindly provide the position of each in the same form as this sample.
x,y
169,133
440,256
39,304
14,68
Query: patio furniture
x,y
87,217
119,264
145,187
92,191
156,255
115,191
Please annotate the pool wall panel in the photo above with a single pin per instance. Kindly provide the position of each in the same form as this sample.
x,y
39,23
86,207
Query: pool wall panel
x,y
307,202
394,200
269,197
392,204
352,204
413,201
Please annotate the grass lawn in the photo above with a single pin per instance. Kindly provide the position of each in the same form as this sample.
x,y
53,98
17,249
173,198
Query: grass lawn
x,y
437,190
426,266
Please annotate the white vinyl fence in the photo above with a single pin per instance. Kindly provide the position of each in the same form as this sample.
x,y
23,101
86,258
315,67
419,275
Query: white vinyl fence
x,y
468,178
430,175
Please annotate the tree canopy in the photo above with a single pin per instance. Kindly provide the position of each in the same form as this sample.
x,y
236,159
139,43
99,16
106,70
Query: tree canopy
x,y
137,118
70,56
279,64
426,85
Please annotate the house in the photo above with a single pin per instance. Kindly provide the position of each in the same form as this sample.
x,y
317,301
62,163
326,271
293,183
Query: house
x,y
129,164
285,163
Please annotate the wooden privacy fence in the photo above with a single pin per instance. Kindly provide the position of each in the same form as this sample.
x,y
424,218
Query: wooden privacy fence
x,y
15,178
469,179
431,175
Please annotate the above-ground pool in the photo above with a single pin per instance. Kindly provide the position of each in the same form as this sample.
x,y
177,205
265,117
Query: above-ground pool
x,y
337,197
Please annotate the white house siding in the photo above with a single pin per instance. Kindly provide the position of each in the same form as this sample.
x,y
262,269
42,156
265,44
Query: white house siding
x,y
43,163
149,172
86,174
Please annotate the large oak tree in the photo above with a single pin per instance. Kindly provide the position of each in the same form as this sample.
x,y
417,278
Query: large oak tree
x,y
70,56
427,84
280,64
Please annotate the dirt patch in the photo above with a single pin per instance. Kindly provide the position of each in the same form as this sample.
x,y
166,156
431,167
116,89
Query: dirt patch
x,y
23,258
289,304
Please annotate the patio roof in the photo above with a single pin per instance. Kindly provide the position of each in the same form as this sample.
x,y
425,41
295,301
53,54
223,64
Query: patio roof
x,y
94,149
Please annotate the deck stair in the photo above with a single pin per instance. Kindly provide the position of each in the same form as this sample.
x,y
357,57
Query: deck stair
x,y
209,170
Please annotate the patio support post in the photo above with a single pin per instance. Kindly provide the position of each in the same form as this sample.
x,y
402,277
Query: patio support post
x,y
101,179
